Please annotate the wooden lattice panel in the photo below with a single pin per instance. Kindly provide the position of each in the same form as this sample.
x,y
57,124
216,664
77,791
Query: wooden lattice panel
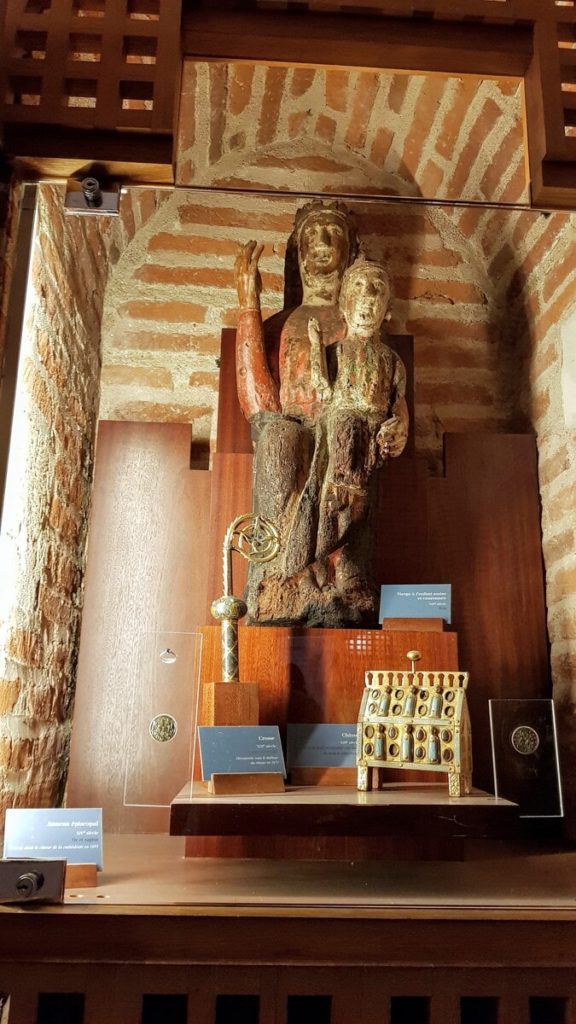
x,y
566,45
90,63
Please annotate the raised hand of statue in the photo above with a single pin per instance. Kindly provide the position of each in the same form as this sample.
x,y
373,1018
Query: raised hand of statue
x,y
391,437
247,275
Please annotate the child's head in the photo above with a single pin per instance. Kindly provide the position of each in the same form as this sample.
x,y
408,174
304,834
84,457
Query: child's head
x,y
365,296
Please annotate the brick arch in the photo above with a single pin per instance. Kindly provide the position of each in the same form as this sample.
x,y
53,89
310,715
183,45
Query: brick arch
x,y
303,129
319,167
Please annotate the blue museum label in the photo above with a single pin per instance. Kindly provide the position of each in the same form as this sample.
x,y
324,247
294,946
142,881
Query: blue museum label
x,y
60,833
240,748
321,745
415,601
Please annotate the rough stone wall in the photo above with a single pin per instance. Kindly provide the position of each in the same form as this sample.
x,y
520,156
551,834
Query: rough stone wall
x,y
49,482
549,398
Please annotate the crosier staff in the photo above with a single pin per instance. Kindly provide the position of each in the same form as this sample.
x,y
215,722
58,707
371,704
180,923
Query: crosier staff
x,y
256,539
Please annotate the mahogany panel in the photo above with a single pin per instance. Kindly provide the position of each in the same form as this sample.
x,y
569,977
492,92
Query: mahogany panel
x,y
146,570
485,539
477,528
402,522
317,675
231,496
233,432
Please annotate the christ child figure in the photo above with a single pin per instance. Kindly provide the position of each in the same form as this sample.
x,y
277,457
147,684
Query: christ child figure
x,y
363,383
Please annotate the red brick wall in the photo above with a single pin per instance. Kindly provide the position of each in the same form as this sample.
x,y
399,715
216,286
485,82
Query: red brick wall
x,y
301,129
42,552
172,291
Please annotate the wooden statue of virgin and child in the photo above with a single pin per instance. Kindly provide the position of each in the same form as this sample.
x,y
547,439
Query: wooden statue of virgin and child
x,y
325,397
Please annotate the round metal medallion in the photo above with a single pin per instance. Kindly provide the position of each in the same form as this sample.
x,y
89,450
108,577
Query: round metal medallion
x,y
525,739
163,728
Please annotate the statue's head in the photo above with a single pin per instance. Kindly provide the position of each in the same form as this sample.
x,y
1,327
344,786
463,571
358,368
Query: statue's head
x,y
325,238
365,295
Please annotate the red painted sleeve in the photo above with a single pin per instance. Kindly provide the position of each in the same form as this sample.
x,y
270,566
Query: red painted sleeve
x,y
257,391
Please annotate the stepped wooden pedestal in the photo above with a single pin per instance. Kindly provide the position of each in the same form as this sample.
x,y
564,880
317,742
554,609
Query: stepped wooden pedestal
x,y
399,810
477,527
317,675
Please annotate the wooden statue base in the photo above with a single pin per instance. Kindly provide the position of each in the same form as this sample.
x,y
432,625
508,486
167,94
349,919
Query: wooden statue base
x,y
419,625
230,704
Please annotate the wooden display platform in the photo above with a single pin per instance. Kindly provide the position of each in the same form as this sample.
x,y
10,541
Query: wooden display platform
x,y
149,872
401,810
202,935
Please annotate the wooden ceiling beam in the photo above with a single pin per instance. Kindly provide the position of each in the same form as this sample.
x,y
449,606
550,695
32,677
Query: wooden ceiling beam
x,y
340,40
57,152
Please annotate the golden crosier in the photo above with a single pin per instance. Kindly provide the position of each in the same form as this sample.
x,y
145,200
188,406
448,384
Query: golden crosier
x,y
256,539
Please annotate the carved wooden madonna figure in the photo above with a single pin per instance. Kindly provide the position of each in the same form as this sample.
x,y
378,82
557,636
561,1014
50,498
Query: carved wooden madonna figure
x,y
325,398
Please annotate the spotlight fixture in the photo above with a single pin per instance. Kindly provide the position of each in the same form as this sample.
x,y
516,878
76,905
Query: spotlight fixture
x,y
88,196
92,192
